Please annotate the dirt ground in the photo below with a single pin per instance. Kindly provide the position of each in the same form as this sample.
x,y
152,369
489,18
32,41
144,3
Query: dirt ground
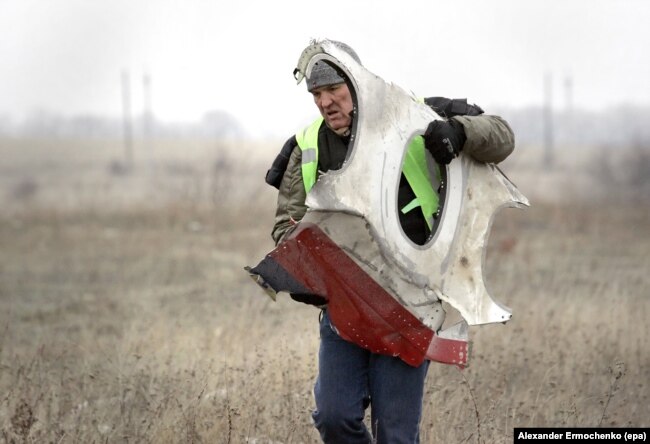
x,y
138,324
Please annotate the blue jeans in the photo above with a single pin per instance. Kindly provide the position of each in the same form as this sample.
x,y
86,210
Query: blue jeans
x,y
350,379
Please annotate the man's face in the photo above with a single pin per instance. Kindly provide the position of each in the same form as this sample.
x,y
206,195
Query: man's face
x,y
335,105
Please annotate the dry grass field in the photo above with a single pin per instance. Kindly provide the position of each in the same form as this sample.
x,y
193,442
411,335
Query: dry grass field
x,y
136,323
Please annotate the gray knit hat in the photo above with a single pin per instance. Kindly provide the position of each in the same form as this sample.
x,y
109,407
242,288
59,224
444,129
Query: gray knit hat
x,y
323,74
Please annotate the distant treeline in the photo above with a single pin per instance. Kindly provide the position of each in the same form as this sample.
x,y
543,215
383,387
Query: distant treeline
x,y
213,124
620,125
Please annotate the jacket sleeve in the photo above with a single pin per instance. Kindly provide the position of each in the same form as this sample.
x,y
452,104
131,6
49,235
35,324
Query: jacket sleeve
x,y
279,166
489,138
291,197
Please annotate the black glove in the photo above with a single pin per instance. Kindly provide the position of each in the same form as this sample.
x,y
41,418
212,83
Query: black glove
x,y
444,139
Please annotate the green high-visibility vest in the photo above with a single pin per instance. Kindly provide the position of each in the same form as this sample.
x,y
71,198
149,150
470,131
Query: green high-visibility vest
x,y
414,168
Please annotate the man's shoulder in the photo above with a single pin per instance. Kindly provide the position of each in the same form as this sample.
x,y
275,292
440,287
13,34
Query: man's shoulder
x,y
449,108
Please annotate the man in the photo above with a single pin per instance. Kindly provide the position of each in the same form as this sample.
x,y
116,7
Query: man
x,y
351,378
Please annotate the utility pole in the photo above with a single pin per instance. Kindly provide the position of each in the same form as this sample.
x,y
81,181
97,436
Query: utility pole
x,y
549,160
568,94
147,116
567,121
127,125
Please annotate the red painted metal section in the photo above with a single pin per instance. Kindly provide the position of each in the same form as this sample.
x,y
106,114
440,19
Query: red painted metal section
x,y
360,309
448,351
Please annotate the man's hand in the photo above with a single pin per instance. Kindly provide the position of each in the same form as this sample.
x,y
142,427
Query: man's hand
x,y
444,139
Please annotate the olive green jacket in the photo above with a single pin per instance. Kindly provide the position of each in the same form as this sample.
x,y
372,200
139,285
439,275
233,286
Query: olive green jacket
x,y
489,139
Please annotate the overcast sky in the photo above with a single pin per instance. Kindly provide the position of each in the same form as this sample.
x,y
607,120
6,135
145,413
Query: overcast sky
x,y
238,56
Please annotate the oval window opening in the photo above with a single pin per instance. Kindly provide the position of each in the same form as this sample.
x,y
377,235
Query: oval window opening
x,y
421,193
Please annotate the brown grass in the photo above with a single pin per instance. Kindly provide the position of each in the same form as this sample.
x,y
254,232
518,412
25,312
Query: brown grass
x,y
139,325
